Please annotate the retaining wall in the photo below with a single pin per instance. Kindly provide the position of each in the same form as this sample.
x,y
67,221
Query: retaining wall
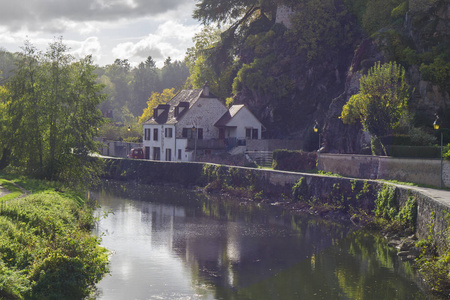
x,y
278,185
420,171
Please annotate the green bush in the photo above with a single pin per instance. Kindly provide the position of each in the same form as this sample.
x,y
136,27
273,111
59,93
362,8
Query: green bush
x,y
293,160
415,151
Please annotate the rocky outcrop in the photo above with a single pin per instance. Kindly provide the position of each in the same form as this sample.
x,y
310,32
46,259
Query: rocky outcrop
x,y
339,137
427,24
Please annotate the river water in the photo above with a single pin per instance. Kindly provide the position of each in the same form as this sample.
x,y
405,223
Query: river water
x,y
171,243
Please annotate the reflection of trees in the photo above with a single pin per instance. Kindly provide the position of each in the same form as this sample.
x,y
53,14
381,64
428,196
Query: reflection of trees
x,y
244,251
361,267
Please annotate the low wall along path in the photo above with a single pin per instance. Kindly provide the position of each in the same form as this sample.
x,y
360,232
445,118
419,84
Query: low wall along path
x,y
432,205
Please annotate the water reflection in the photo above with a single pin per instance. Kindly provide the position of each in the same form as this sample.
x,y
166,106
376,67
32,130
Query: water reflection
x,y
171,243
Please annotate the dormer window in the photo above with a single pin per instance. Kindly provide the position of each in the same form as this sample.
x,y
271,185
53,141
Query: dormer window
x,y
155,112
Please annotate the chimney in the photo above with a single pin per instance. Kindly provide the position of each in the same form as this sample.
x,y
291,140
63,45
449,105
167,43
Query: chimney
x,y
206,89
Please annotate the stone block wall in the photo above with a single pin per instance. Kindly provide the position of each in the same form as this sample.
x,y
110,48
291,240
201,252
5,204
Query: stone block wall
x,y
420,171
278,185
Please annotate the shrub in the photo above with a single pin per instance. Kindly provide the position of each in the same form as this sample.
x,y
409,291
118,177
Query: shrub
x,y
292,160
415,151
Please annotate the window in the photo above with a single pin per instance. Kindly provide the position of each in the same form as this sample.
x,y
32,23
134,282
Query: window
x,y
255,133
251,133
190,133
248,133
179,154
156,153
168,132
147,152
155,134
147,134
168,154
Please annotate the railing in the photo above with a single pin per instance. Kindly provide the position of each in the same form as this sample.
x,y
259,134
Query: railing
x,y
232,142
206,144
261,158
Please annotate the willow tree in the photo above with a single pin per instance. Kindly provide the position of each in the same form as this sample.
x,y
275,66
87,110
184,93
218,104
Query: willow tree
x,y
381,101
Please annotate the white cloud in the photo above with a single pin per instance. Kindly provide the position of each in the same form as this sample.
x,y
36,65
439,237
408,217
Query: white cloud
x,y
90,46
170,39
51,16
107,29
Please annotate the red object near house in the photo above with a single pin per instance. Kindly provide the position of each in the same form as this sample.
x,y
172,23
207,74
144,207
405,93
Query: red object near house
x,y
137,153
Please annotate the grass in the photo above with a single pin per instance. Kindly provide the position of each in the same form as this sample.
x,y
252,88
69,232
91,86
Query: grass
x,y
14,190
46,248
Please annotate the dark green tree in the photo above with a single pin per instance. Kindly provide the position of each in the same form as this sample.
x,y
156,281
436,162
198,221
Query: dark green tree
x,y
145,81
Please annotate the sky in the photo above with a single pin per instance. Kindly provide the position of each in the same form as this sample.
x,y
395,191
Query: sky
x,y
105,29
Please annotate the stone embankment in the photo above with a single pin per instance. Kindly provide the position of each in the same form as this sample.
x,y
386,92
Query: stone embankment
x,y
432,205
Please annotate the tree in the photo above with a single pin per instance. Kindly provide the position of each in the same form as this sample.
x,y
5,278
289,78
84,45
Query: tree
x,y
156,99
145,81
202,67
50,116
381,101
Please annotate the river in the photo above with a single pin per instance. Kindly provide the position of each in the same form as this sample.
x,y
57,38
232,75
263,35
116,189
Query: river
x,y
172,243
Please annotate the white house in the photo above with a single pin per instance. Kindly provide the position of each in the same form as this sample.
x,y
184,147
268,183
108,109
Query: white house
x,y
196,122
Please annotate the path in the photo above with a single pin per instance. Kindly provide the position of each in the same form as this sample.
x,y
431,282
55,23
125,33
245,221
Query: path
x,y
442,196
3,191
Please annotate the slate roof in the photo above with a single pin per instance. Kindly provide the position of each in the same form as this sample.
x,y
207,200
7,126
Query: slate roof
x,y
223,121
185,96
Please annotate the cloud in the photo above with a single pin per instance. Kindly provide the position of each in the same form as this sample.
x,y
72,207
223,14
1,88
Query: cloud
x,y
90,46
56,16
170,39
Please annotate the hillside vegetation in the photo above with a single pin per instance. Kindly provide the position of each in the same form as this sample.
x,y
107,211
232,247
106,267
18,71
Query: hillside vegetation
x,y
295,62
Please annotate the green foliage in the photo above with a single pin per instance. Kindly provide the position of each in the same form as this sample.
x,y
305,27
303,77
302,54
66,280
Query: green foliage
x,y
318,27
46,248
388,212
51,114
434,265
400,11
385,205
415,151
210,61
437,72
154,100
378,14
254,74
381,101
237,181
300,190
407,215
293,160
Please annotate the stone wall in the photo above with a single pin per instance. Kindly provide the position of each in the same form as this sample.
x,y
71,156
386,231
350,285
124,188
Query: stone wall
x,y
117,149
278,186
271,145
420,171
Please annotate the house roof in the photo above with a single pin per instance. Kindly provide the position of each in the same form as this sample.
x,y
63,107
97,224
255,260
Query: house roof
x,y
223,121
185,98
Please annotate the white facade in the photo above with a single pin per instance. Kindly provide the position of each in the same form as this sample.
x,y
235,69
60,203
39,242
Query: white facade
x,y
244,125
192,121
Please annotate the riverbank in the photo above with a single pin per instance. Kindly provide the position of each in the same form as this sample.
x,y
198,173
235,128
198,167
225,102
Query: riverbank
x,y
47,251
398,205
